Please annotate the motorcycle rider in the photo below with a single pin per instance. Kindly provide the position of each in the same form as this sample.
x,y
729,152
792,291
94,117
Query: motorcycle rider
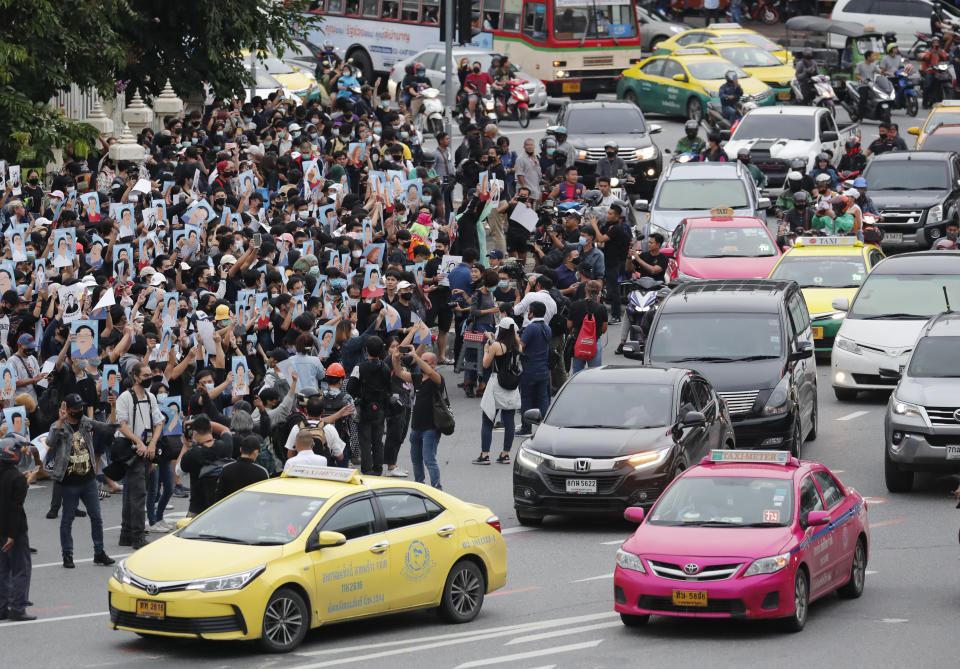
x,y
792,187
892,61
346,83
613,166
796,219
713,152
759,178
569,189
413,86
864,201
949,241
806,69
865,71
476,85
824,189
929,59
648,315
940,24
565,146
329,60
822,166
690,142
853,160
730,94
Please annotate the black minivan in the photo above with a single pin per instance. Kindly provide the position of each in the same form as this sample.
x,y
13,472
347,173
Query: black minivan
x,y
752,340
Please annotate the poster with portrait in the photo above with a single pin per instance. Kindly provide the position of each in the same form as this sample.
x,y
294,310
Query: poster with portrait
x,y
85,339
199,213
40,273
64,246
166,344
367,232
148,248
372,286
161,208
236,222
14,180
3,175
107,300
247,183
191,241
150,219
16,419
241,376
299,305
311,175
172,411
356,152
7,276
109,381
391,317
326,335
95,249
327,215
395,181
447,265
422,333
419,271
8,382
15,235
412,194
124,214
307,248
374,254
261,300
171,302
90,206
122,259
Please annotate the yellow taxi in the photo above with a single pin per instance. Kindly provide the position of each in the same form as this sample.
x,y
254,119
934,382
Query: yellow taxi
x,y
943,113
714,30
755,61
293,79
318,545
826,268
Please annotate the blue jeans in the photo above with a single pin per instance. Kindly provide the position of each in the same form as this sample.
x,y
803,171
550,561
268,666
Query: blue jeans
x,y
423,453
159,491
15,568
577,365
486,430
534,394
730,113
72,494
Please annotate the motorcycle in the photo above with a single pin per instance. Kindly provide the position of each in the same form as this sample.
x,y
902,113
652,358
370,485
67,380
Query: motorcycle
x,y
762,10
515,105
905,84
880,99
432,111
641,296
824,95
715,119
942,88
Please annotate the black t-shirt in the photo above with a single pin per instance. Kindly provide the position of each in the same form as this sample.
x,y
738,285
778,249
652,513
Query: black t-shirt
x,y
422,415
581,308
203,491
440,295
658,260
616,247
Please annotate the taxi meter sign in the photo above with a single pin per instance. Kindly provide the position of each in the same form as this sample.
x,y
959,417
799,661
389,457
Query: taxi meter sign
x,y
827,241
322,473
771,457
721,211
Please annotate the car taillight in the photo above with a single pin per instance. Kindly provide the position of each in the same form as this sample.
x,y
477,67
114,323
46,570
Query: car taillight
x,y
494,522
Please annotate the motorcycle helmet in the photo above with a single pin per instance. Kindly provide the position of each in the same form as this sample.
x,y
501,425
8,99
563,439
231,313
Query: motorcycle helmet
x,y
793,175
840,202
853,144
799,165
748,107
611,145
559,156
663,293
9,451
800,196
548,142
592,198
807,53
690,128
743,154
891,46
823,158
328,45
822,178
730,76
419,69
560,131
939,245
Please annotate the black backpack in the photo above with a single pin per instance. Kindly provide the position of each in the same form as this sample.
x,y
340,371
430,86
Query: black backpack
x,y
509,369
558,324
374,377
281,431
332,403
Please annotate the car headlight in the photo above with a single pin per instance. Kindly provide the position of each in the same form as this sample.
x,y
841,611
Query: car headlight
x,y
229,582
663,231
648,459
906,408
530,459
779,401
628,560
712,93
646,153
848,345
687,277
768,565
935,214
120,572
581,154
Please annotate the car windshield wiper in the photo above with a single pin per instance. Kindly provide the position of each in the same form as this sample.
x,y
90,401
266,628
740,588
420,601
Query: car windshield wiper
x,y
894,316
764,524
892,188
748,358
700,358
218,537
931,188
711,523
599,427
267,543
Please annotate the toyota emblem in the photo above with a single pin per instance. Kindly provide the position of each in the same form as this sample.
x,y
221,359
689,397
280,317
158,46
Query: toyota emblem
x,y
581,465
956,415
151,589
690,569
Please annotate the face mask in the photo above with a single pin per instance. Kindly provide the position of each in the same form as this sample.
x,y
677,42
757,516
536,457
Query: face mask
x,y
404,135
338,283
612,155
476,70
427,199
267,143
33,181
75,415
247,120
303,214
368,139
397,126
384,105
314,270
550,152
31,257
313,135
209,387
952,235
377,130
273,293
193,140
583,240
298,293
161,397
504,284
356,254
334,131
194,302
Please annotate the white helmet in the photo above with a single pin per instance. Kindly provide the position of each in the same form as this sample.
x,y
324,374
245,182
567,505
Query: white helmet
x,y
793,175
749,107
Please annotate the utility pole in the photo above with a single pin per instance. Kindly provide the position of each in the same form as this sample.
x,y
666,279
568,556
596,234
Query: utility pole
x,y
253,72
448,71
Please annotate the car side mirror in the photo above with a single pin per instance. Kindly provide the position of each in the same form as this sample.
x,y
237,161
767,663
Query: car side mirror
x,y
804,350
888,373
325,540
692,419
634,514
641,205
654,128
679,76
829,136
667,251
914,130
817,518
763,203
532,416
841,303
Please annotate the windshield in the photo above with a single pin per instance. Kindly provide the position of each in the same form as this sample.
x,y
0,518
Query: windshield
x,y
941,141
918,296
728,243
935,357
762,126
576,19
750,56
713,69
608,121
689,195
717,337
611,405
912,175
273,65
254,518
726,501
759,40
822,272
264,80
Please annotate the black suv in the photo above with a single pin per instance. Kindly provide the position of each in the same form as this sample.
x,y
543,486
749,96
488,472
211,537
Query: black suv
x,y
615,437
590,125
916,192
752,339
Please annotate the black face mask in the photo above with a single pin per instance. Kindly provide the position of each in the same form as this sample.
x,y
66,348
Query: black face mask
x,y
611,155
33,181
476,70
75,414
801,205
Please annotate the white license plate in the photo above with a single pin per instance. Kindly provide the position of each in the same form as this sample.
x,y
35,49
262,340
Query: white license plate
x,y
893,237
584,486
953,453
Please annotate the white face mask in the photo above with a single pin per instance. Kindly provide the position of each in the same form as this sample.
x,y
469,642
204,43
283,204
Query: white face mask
x,y
303,214
356,254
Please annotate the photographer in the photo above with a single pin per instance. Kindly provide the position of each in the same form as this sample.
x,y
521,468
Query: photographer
x,y
615,237
203,458
424,435
518,237
370,385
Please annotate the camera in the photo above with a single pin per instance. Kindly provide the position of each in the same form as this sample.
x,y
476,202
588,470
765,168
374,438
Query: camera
x,y
514,270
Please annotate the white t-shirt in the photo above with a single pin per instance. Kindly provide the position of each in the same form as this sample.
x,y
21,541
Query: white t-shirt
x,y
523,308
306,458
334,442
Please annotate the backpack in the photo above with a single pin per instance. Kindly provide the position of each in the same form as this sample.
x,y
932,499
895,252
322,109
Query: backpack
x,y
281,432
212,470
331,405
558,324
319,440
585,347
374,377
509,370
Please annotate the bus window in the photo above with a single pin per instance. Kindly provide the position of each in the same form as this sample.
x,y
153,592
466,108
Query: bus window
x,y
371,8
390,9
512,10
595,21
353,7
410,10
316,6
534,21
334,6
491,14
431,12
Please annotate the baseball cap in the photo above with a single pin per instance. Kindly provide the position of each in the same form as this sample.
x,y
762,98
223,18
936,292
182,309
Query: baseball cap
x,y
222,313
572,214
404,284
57,194
147,271
228,259
496,254
27,340
157,279
73,401
859,182
293,127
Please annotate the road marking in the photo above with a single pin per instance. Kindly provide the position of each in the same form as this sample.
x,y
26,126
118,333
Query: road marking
x,y
868,572
50,608
894,620
60,563
855,414
875,500
593,578
513,591
564,632
884,523
518,529
53,620
612,543
457,637
529,654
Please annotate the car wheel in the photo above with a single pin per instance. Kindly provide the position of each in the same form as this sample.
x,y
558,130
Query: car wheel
x,y
858,572
631,96
814,421
529,519
796,440
801,603
462,593
694,109
631,620
362,62
285,621
897,480
655,43
845,394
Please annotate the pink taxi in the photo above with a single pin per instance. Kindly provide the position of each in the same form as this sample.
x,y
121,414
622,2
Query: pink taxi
x,y
721,247
744,534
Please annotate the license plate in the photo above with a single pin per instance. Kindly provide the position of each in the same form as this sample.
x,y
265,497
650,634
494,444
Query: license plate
x,y
953,452
689,598
894,237
582,486
818,332
571,87
148,608
783,95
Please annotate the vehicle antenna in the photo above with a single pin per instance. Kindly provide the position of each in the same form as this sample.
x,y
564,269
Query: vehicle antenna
x,y
946,298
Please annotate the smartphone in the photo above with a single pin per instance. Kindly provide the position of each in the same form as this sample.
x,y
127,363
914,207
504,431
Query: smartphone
x,y
230,145
405,349
257,240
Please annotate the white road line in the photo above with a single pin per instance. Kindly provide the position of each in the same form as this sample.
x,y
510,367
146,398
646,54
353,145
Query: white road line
x,y
855,414
52,620
612,543
60,563
593,578
532,653
868,572
518,529
564,632
458,637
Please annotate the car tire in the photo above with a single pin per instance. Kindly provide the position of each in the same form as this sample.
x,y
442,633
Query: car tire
x,y
631,96
631,620
655,42
694,109
814,421
853,588
362,61
801,601
462,593
897,480
845,394
286,620
796,437
529,519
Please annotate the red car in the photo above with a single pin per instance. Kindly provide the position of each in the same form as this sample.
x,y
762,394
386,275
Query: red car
x,y
721,247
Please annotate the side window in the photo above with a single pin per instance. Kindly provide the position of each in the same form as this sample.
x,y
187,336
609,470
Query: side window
x,y
826,123
832,492
654,68
809,497
798,314
353,520
512,10
410,10
370,7
491,14
433,509
875,257
688,401
670,68
677,237
704,398
860,6
402,510
691,38
534,21
431,60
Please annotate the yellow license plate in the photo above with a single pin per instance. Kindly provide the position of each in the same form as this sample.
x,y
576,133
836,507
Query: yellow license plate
x,y
689,598
571,87
783,95
818,333
147,608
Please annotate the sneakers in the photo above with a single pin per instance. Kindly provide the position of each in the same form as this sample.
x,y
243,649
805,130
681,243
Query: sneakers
x,y
482,460
103,559
124,541
180,491
504,459
159,527
51,514
68,561
19,616
137,544
619,350
397,472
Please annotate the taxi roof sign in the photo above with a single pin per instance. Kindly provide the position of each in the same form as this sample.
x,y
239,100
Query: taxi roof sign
x,y
721,211
766,457
693,51
340,474
838,240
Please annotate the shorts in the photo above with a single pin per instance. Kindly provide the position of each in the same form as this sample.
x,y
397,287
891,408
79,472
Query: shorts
x,y
517,243
440,315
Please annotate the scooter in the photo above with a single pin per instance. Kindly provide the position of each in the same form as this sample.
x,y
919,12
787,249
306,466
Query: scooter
x,y
824,95
905,84
517,105
715,119
641,297
880,99
943,83
762,10
432,111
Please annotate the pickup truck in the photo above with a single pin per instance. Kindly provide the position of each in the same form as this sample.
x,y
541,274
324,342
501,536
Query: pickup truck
x,y
778,135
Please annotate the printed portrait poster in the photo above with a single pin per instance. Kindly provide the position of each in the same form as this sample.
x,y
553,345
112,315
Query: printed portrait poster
x,y
8,382
374,253
372,286
124,213
90,204
71,297
171,302
16,419
413,193
241,376
15,242
7,276
327,215
247,183
171,409
311,174
64,246
326,335
109,381
85,334
122,267
14,181
356,152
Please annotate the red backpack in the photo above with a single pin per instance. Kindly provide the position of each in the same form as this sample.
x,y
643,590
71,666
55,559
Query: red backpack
x,y
585,347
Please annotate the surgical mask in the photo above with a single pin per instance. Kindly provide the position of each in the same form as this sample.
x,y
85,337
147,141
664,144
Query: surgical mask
x,y
194,302
368,139
333,131
356,254
314,135
404,134
583,240
267,143
550,152
427,199
161,397
303,214
952,235
314,270
384,104
193,140
209,387
504,284
377,130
